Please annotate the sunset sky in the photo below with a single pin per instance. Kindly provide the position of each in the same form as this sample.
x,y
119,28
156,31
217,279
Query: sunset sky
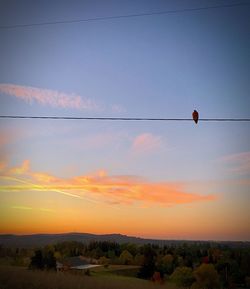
x,y
168,180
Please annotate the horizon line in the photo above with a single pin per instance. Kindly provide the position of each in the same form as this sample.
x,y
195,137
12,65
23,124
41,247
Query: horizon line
x,y
129,236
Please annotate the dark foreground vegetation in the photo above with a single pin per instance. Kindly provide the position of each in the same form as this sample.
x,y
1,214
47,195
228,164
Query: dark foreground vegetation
x,y
16,278
204,266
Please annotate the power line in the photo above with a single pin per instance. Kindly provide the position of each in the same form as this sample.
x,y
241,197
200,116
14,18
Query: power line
x,y
123,118
175,11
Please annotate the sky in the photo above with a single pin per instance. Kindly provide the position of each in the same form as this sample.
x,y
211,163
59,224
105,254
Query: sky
x,y
164,180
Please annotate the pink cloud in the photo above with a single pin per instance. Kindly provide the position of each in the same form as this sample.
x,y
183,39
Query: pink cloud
x,y
147,142
49,97
238,163
115,189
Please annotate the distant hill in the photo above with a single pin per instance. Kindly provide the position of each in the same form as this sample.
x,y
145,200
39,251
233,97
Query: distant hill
x,y
39,240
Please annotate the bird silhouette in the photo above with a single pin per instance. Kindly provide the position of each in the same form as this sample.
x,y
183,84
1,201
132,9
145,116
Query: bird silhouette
x,y
195,115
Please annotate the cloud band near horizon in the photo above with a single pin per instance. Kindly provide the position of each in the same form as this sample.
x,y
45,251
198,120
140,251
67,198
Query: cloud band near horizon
x,y
115,189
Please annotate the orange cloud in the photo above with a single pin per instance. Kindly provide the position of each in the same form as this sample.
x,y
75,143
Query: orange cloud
x,y
102,187
238,163
49,97
147,142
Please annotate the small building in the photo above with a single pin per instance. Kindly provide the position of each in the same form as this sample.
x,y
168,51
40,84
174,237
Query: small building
x,y
76,264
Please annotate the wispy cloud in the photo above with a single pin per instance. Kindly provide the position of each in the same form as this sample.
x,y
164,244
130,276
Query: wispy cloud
x,y
46,210
48,97
25,208
238,163
147,142
119,189
22,208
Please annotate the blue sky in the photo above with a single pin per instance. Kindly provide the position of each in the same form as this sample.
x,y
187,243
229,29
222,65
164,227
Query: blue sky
x,y
154,66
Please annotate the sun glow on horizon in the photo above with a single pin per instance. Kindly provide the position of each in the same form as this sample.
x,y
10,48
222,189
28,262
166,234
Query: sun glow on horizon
x,y
93,200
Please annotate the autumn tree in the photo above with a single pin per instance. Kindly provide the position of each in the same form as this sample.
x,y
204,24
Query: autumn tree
x,y
126,258
183,276
104,261
167,263
206,277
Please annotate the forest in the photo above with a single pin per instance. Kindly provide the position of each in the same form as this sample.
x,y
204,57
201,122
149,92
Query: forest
x,y
195,265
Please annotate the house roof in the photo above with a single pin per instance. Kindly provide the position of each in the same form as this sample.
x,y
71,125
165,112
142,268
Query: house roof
x,y
75,261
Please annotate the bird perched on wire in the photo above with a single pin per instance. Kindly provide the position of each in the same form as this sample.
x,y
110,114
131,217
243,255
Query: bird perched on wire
x,y
195,115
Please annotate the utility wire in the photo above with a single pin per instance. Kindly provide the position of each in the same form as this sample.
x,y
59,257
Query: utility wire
x,y
175,11
123,118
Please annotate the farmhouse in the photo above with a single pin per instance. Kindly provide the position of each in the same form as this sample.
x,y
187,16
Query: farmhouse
x,y
75,264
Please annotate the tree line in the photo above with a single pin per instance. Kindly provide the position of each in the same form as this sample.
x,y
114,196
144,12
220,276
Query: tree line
x,y
188,265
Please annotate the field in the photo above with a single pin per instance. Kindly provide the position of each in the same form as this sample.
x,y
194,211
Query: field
x,y
116,271
21,278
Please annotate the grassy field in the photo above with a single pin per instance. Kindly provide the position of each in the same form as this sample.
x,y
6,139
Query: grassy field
x,y
117,270
21,278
